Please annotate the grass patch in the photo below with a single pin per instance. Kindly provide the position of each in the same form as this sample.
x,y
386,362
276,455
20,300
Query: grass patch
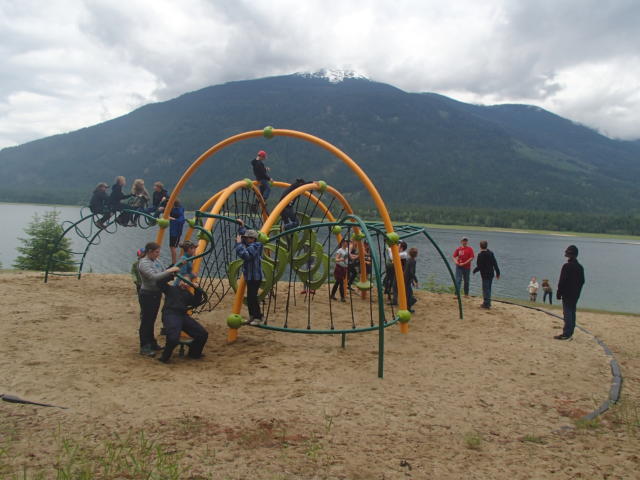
x,y
586,424
473,440
558,306
627,414
431,285
135,456
518,230
533,439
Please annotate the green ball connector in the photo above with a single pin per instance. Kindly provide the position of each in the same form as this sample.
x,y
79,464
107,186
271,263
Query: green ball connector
x,y
163,222
393,238
267,132
322,184
336,229
249,182
191,222
235,320
404,316
263,237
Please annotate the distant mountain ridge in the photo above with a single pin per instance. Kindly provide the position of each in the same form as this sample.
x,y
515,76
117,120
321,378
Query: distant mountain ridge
x,y
420,149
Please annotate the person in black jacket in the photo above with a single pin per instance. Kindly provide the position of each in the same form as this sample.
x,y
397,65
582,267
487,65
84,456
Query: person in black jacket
x,y
486,264
116,200
569,289
99,204
410,278
159,199
178,300
260,171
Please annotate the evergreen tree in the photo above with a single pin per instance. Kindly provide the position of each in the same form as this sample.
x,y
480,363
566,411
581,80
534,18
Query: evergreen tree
x,y
43,232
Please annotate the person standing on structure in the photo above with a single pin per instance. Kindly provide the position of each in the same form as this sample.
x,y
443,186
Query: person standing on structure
x,y
261,172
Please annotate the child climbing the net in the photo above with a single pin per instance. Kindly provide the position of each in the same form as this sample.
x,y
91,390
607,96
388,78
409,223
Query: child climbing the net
x,y
250,250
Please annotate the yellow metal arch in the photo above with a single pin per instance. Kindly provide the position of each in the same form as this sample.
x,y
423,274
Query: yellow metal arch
x,y
368,184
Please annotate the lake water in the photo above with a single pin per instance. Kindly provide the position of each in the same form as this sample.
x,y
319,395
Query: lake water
x,y
611,265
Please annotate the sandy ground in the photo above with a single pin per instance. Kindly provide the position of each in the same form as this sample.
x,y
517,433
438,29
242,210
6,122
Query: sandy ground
x,y
486,397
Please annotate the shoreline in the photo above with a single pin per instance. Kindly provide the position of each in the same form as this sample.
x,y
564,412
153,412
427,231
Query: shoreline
x,y
515,301
634,239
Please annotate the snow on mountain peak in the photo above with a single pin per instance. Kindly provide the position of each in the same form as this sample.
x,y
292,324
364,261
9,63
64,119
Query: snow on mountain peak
x,y
334,75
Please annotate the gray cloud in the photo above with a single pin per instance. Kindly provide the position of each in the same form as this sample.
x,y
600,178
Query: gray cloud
x,y
71,63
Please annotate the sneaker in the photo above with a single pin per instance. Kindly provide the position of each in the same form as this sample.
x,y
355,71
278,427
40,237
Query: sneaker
x,y
562,337
334,299
342,300
412,311
146,351
196,357
255,321
163,360
156,347
485,306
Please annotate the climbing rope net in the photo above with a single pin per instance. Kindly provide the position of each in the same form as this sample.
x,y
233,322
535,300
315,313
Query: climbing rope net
x,y
298,263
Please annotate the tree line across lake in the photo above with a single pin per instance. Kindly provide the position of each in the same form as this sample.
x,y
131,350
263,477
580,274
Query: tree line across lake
x,y
517,219
627,224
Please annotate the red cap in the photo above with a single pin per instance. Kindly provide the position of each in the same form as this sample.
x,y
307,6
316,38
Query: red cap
x,y
262,153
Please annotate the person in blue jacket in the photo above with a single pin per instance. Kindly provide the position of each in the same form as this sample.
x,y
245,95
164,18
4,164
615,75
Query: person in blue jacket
x,y
176,223
249,249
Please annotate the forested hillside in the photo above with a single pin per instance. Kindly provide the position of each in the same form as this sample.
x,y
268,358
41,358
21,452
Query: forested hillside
x,y
431,157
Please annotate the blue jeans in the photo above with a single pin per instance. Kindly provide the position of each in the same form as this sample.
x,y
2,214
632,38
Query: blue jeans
x,y
463,273
265,189
569,307
486,291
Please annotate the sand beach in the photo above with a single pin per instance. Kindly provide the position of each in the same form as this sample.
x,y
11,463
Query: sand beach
x,y
491,396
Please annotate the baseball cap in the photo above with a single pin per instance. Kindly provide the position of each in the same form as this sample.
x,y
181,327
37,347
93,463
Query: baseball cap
x,y
464,239
251,234
262,153
187,244
140,252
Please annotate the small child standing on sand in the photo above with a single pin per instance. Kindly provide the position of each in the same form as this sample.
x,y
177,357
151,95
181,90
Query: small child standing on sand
x,y
548,291
533,289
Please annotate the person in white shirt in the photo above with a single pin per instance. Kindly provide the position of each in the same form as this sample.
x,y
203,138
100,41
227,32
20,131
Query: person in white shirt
x,y
533,289
341,270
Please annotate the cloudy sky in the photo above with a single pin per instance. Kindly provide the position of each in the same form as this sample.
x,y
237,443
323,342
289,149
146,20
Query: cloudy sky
x,y
67,64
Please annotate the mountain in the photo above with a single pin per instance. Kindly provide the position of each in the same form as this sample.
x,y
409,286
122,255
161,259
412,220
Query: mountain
x,y
420,149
